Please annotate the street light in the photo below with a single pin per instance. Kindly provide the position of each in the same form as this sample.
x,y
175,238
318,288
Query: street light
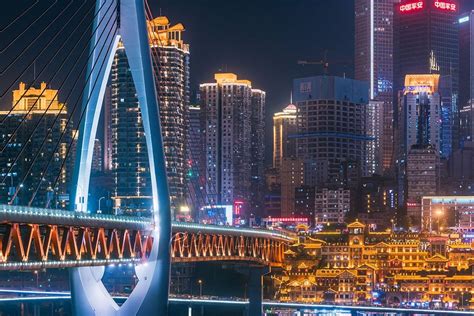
x,y
99,211
37,279
200,295
200,287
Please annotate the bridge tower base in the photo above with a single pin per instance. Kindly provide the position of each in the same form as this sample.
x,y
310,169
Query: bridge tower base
x,y
255,288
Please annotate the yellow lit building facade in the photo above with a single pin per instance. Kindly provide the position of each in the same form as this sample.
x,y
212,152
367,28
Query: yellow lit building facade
x,y
32,128
358,266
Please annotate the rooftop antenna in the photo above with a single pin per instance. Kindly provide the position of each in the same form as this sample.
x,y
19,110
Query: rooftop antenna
x,y
291,97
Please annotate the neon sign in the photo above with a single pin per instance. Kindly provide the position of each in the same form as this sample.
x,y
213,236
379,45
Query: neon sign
x,y
411,6
445,5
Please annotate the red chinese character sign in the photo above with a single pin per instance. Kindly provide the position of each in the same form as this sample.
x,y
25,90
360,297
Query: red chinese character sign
x,y
414,6
443,5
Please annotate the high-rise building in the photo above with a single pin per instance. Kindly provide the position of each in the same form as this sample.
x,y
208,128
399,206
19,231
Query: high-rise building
x,y
284,125
426,42
331,118
97,157
130,168
332,205
196,158
172,69
374,64
422,179
375,129
257,151
291,177
419,142
466,75
25,158
419,114
107,142
129,155
227,116
305,203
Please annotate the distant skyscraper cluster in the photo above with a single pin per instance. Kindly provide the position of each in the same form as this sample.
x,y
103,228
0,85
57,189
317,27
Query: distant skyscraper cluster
x,y
399,132
372,148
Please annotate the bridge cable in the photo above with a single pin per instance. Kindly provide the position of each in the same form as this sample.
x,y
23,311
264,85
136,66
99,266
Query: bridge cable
x,y
19,16
32,106
43,69
80,120
12,135
29,26
85,46
50,129
2,72
198,191
69,120
196,185
51,59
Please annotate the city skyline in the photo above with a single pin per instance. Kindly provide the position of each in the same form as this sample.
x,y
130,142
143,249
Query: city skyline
x,y
260,154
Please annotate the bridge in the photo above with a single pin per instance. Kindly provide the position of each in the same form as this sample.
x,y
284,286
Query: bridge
x,y
35,238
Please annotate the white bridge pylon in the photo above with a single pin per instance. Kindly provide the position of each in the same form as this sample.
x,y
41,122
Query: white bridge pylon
x,y
150,296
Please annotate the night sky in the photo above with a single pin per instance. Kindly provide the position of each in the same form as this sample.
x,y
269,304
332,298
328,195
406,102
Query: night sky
x,y
260,40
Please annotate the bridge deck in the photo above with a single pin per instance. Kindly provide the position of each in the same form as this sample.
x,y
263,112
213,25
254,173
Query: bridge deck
x,y
34,215
35,238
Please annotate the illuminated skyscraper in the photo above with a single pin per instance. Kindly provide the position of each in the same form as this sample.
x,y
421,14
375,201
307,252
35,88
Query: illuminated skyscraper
x,y
331,118
375,128
419,141
426,42
466,75
284,125
196,158
129,155
419,113
173,90
374,64
107,143
257,151
31,105
291,177
229,109
97,157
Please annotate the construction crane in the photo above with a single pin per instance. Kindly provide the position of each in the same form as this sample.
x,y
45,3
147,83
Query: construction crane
x,y
324,62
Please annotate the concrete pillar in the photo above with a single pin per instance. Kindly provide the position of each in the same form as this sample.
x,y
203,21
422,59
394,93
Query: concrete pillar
x,y
190,311
36,310
255,287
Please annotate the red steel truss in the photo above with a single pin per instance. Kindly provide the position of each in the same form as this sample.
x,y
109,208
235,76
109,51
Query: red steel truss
x,y
210,247
23,243
33,246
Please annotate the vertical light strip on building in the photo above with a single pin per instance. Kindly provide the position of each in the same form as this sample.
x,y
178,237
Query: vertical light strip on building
x,y
371,89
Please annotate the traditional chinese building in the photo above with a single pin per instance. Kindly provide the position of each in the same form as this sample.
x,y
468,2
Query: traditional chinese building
x,y
358,266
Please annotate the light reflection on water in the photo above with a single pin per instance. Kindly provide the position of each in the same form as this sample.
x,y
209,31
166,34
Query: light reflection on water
x,y
61,307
